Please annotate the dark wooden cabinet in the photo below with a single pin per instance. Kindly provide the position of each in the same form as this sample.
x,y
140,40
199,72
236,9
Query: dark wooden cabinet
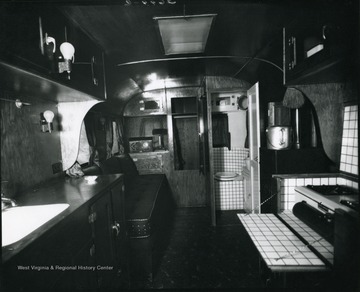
x,y
20,38
108,229
318,50
87,72
85,251
25,29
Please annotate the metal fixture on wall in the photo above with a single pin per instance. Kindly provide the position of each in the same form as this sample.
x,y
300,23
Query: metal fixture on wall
x,y
46,119
18,102
294,99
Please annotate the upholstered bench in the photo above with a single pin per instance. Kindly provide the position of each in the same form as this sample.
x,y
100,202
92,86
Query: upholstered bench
x,y
149,208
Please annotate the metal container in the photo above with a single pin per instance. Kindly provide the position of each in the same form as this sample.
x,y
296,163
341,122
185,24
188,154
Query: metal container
x,y
279,137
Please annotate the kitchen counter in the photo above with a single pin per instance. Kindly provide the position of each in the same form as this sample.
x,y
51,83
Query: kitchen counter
x,y
278,246
73,191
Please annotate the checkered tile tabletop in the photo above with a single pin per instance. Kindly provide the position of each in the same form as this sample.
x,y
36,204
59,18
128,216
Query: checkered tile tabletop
x,y
325,248
279,247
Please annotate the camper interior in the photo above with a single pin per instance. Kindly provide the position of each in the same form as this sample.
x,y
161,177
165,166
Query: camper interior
x,y
175,144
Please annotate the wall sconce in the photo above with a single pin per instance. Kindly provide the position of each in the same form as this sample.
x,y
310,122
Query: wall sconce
x,y
66,59
18,103
46,119
68,51
48,49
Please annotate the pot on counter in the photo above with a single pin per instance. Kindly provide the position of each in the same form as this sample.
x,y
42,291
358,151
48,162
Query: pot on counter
x,y
279,137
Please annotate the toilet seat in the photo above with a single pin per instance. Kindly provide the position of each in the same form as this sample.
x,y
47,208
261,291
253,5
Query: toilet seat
x,y
226,176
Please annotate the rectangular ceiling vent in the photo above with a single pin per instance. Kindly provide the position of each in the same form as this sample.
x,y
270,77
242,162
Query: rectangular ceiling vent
x,y
186,34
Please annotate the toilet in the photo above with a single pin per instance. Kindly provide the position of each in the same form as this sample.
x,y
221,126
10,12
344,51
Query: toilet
x,y
227,176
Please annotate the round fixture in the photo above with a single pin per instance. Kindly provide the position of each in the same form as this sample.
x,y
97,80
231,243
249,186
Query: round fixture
x,y
243,102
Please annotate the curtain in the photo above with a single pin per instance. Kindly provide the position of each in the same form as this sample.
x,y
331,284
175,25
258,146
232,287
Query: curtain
x,y
90,126
120,135
109,137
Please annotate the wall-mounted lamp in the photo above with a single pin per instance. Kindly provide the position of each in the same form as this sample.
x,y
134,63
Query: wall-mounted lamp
x,y
68,51
46,119
18,102
48,49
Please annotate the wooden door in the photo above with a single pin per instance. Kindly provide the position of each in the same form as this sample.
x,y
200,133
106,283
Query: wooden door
x,y
254,146
186,178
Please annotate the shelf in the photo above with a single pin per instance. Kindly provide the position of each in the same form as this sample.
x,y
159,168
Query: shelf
x,y
184,116
43,87
142,154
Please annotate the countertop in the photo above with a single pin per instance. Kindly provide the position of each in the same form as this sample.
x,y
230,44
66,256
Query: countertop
x,y
278,246
74,191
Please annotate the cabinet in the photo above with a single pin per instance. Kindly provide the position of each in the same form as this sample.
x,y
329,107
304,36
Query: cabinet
x,y
108,232
23,34
318,50
147,163
86,250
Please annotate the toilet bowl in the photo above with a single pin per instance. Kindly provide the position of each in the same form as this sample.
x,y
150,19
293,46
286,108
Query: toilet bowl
x,y
226,176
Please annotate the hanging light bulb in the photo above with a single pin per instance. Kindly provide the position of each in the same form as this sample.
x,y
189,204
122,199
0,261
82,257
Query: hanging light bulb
x,y
68,51
49,116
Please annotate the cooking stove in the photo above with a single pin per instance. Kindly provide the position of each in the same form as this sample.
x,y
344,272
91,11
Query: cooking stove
x,y
344,195
333,190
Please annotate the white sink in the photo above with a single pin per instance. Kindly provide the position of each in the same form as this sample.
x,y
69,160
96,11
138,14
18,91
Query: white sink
x,y
18,222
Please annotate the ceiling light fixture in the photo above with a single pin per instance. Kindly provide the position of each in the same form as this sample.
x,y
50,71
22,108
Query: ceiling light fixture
x,y
185,34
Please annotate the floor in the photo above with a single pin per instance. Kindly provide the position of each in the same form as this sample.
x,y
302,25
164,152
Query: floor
x,y
222,258
205,257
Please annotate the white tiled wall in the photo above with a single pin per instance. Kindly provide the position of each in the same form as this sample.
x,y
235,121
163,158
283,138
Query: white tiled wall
x,y
229,195
348,163
349,146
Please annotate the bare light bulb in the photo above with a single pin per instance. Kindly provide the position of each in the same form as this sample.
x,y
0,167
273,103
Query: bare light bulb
x,y
49,116
67,50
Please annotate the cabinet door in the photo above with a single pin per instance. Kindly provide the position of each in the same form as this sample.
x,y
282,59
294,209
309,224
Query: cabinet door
x,y
87,71
20,38
317,50
105,255
120,235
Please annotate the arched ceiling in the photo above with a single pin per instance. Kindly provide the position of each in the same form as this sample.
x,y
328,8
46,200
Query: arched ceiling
x,y
244,35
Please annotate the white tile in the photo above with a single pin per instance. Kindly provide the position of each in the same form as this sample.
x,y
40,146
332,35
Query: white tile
x,y
303,262
290,262
332,180
324,180
292,182
308,181
316,262
300,182
316,181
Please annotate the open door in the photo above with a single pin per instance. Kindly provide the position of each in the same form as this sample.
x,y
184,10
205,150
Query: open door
x,y
254,145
